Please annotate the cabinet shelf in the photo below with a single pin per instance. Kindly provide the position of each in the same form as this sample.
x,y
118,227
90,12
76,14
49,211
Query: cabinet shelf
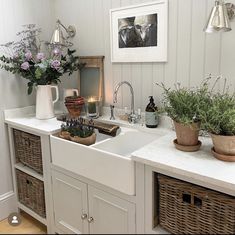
x,y
28,171
32,213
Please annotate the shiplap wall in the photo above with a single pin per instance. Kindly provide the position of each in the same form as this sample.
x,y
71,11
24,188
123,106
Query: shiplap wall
x,y
192,54
13,89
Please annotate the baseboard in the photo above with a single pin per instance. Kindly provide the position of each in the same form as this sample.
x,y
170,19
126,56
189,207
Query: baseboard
x,y
8,204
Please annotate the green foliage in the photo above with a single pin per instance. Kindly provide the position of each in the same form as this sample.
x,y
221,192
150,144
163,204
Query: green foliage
x,y
219,116
215,111
183,105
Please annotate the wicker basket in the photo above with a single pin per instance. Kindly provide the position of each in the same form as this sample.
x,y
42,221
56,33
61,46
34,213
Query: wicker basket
x,y
28,150
31,192
189,209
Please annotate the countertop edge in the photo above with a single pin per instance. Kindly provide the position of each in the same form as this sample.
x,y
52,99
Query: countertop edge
x,y
192,177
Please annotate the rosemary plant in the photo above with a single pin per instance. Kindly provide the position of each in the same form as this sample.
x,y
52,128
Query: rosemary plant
x,y
182,104
219,115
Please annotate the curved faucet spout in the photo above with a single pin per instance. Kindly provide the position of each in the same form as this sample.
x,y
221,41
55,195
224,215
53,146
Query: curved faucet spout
x,y
132,94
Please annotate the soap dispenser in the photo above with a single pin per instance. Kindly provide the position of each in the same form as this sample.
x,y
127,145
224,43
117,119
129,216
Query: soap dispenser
x,y
151,116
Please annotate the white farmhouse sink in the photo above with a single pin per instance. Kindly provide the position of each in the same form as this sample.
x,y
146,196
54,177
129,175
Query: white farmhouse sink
x,y
126,143
107,162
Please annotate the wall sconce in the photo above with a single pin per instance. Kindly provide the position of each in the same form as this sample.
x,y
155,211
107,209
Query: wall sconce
x,y
219,19
58,38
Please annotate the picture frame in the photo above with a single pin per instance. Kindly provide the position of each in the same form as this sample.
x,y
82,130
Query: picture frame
x,y
139,33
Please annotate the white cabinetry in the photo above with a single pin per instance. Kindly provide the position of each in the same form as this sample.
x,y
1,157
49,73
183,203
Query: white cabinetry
x,y
81,208
70,204
110,214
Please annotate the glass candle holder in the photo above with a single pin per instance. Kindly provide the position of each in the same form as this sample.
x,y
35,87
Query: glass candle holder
x,y
92,107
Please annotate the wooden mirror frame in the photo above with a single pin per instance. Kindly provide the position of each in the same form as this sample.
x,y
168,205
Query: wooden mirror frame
x,y
95,62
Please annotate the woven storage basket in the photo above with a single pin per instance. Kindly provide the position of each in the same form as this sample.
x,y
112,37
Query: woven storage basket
x,y
28,150
31,192
189,209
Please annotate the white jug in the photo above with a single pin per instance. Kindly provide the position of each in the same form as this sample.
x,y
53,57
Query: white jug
x,y
44,102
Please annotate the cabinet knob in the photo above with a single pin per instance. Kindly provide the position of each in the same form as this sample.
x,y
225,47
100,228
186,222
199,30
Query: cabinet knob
x,y
90,220
84,216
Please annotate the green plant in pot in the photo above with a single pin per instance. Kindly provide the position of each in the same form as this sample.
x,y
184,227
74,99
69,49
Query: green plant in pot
x,y
77,130
182,105
219,120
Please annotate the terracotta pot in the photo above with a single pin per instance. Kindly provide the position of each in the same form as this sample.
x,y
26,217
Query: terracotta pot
x,y
74,109
86,141
187,135
224,144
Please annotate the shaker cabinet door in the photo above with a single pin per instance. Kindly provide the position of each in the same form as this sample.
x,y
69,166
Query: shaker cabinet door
x,y
70,204
109,214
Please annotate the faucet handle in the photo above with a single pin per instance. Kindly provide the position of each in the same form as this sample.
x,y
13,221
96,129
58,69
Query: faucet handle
x,y
112,112
132,118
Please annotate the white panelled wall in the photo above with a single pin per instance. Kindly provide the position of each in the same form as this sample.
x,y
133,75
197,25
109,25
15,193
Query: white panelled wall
x,y
13,90
192,54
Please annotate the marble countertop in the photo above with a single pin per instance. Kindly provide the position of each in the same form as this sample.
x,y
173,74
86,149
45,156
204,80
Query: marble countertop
x,y
25,118
196,167
161,155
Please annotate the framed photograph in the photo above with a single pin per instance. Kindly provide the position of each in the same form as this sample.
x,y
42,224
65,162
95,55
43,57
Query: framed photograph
x,y
139,32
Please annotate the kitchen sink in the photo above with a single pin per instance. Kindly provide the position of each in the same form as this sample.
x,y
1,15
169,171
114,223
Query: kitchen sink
x,y
126,143
107,162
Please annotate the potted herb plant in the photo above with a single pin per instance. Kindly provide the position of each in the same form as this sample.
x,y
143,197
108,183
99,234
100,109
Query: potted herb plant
x,y
78,131
182,105
27,59
219,120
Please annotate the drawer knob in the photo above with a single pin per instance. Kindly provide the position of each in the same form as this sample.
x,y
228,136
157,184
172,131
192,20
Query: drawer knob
x,y
84,216
90,220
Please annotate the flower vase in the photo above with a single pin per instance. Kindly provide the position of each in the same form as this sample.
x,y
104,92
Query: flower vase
x,y
44,101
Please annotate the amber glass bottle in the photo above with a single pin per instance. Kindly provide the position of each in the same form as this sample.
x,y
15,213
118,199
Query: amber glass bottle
x,y
151,116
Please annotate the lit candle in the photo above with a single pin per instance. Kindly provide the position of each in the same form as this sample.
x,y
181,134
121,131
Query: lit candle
x,y
92,105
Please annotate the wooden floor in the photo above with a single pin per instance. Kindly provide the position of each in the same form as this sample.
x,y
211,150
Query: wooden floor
x,y
28,226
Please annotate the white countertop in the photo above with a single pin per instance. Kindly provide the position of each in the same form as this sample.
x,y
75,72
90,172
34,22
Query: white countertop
x,y
197,167
25,118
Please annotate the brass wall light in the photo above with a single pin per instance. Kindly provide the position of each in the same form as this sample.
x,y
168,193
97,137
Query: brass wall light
x,y
220,16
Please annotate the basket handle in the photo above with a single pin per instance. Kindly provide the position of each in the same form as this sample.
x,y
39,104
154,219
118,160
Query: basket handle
x,y
190,198
27,142
28,184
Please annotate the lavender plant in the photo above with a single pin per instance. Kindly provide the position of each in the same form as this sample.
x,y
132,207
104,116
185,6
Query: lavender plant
x,y
26,58
78,127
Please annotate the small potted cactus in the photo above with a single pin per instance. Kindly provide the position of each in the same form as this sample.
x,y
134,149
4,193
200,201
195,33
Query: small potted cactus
x,y
78,131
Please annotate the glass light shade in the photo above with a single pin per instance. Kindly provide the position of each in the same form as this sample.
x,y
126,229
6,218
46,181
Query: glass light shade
x,y
218,20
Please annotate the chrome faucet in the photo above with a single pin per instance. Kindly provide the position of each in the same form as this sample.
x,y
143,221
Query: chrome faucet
x,y
132,118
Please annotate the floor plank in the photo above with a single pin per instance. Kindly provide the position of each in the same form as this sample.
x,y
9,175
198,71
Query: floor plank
x,y
28,226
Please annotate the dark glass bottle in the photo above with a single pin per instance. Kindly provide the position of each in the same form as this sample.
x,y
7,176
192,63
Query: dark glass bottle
x,y
151,116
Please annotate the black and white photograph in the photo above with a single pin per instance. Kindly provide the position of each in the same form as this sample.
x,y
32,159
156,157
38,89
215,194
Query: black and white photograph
x,y
138,31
